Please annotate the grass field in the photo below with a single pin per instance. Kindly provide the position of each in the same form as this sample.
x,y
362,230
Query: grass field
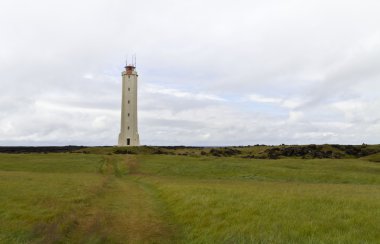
x,y
146,198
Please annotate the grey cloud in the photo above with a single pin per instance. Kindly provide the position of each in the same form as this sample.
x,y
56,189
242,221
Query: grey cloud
x,y
60,65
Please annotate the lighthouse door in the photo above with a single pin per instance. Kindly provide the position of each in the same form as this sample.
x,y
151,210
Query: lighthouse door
x,y
128,141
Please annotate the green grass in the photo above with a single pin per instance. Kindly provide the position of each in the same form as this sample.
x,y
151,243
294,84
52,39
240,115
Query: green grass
x,y
308,171
50,163
80,198
231,200
233,212
374,158
103,198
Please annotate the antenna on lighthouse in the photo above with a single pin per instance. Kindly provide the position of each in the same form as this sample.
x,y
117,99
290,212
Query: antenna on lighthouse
x,y
133,60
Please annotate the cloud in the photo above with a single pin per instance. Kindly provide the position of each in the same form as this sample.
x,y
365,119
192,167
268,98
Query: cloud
x,y
261,99
244,73
285,103
154,89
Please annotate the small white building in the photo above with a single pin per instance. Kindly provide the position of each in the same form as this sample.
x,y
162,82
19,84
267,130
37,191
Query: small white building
x,y
129,135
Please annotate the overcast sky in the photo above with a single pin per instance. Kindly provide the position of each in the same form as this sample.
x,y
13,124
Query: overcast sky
x,y
211,72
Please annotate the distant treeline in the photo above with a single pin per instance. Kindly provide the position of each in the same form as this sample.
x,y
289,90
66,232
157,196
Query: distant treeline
x,y
249,152
258,151
49,149
322,151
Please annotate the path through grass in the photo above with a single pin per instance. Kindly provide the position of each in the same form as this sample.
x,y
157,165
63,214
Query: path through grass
x,y
88,198
97,203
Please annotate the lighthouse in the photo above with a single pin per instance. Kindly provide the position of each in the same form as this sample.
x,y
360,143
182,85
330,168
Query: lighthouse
x,y
129,135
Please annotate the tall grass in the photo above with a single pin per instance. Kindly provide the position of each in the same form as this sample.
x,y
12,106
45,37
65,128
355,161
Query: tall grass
x,y
50,163
354,171
76,198
232,200
105,198
212,211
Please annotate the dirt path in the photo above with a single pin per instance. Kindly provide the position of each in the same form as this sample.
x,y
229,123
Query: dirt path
x,y
126,211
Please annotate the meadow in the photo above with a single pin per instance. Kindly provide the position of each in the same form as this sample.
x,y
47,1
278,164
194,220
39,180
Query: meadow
x,y
102,195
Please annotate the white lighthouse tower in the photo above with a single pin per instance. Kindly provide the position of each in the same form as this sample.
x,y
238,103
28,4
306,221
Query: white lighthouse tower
x,y
129,135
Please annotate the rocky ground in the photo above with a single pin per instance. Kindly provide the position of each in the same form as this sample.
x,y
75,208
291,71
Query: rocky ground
x,y
49,149
250,152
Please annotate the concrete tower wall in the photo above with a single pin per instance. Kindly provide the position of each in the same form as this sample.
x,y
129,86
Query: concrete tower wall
x,y
129,135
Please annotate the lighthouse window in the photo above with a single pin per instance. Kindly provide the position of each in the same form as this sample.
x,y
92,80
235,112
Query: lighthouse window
x,y
128,114
128,127
128,101
129,89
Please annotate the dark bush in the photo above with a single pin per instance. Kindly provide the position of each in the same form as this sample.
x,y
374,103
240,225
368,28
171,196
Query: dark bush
x,y
124,151
159,151
226,152
48,149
